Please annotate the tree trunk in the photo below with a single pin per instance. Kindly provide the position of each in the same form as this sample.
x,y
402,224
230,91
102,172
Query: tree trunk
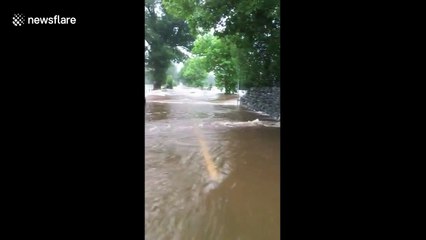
x,y
157,85
159,76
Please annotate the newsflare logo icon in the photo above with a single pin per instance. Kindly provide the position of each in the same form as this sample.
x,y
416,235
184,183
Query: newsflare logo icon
x,y
18,19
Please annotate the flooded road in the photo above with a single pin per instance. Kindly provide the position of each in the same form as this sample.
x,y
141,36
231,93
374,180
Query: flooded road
x,y
212,169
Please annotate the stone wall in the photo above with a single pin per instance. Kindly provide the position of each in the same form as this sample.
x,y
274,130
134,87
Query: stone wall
x,y
265,99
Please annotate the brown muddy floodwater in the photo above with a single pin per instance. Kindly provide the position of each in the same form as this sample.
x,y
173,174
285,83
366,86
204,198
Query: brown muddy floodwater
x,y
212,170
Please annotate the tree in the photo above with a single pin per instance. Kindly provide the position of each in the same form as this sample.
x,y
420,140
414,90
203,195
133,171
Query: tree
x,y
170,83
173,72
164,35
252,25
194,72
217,55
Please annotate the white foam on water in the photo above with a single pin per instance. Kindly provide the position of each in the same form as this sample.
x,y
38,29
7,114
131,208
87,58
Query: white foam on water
x,y
253,123
261,113
156,93
228,103
223,173
153,128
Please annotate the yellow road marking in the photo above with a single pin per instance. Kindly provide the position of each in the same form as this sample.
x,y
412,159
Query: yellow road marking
x,y
208,160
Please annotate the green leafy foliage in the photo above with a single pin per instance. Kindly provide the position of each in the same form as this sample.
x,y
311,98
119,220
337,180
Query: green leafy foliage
x,y
251,27
217,54
164,33
194,72
169,82
173,73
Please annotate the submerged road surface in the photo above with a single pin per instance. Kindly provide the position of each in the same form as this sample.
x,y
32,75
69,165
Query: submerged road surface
x,y
212,169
